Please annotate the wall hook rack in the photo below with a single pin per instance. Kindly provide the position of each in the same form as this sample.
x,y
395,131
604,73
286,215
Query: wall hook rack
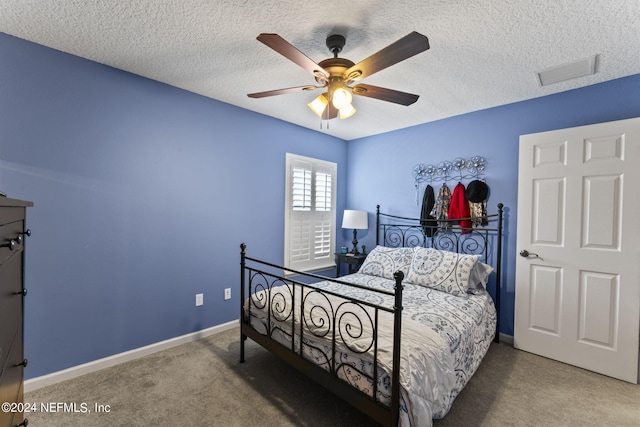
x,y
458,169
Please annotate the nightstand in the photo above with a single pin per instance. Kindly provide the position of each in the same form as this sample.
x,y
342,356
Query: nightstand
x,y
354,261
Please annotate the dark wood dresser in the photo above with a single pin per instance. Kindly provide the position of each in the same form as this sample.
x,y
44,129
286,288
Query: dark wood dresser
x,y
12,293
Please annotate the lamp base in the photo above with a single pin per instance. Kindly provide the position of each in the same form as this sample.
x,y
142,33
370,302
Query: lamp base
x,y
355,242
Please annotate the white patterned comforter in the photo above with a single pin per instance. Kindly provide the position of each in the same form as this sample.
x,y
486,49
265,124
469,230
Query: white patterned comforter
x,y
444,338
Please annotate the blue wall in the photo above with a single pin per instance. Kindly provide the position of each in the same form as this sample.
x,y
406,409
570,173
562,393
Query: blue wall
x,y
380,167
143,194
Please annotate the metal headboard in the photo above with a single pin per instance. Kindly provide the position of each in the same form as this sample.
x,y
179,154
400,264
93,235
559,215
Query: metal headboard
x,y
398,231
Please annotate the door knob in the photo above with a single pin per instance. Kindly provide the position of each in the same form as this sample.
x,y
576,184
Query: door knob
x,y
526,254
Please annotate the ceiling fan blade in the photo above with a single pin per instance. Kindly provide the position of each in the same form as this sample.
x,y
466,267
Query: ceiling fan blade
x,y
406,47
282,91
290,52
384,94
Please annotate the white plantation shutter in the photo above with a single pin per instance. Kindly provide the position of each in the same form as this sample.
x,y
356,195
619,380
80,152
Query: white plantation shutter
x,y
301,187
309,213
324,224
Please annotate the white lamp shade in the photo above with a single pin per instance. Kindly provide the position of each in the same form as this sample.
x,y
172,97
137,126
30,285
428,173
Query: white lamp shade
x,y
347,111
319,104
355,219
341,98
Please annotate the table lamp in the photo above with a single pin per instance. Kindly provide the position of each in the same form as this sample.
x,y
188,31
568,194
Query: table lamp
x,y
356,220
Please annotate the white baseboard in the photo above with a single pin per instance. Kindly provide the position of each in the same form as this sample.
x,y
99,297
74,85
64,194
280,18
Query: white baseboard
x,y
506,339
96,365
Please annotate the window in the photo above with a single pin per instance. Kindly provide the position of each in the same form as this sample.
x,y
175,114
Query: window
x,y
310,216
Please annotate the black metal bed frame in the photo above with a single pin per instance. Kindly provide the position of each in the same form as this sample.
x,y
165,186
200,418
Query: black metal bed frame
x,y
261,288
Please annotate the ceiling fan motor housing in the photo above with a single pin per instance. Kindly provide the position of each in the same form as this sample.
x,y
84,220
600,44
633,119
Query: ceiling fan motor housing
x,y
335,67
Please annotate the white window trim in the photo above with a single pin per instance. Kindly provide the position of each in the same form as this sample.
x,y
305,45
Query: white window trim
x,y
319,252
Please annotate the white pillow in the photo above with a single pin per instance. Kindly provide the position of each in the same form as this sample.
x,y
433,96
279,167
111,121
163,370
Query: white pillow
x,y
442,270
479,277
384,262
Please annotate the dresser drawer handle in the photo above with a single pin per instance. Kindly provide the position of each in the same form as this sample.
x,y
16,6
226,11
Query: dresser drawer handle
x,y
22,292
24,363
27,232
11,245
24,423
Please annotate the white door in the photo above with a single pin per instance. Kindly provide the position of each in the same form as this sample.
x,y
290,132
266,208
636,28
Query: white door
x,y
578,290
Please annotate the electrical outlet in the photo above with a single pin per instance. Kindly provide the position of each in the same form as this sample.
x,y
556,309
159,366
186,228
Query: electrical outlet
x,y
199,299
227,293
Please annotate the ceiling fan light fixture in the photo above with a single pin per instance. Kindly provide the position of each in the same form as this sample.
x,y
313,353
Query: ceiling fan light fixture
x,y
319,104
341,98
346,112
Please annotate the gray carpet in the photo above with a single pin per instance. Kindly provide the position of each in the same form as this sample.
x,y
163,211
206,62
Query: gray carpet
x,y
203,384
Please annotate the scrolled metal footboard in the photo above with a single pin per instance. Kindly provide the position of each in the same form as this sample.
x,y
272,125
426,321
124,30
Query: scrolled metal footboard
x,y
319,331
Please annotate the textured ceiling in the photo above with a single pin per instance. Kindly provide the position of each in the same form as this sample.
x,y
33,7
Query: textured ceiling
x,y
483,53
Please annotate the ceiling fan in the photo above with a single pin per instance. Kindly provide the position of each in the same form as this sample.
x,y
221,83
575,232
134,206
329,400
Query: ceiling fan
x,y
337,75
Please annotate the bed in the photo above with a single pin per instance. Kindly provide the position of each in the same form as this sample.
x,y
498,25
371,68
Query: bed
x,y
400,338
